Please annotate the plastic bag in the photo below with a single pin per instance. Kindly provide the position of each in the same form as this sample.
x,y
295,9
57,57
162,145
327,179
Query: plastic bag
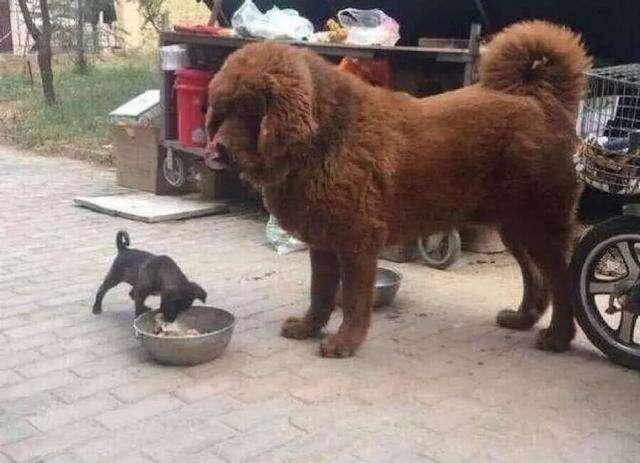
x,y
274,24
248,14
369,27
280,240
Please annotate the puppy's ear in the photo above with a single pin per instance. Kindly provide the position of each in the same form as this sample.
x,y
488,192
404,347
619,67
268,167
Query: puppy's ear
x,y
288,122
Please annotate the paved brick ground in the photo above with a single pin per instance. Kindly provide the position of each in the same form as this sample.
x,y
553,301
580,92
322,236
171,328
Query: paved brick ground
x,y
436,381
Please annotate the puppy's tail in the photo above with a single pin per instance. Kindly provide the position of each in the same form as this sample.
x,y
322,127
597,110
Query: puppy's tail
x,y
537,58
122,240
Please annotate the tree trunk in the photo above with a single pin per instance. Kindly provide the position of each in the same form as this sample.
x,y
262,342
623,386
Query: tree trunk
x,y
42,38
46,72
217,17
81,58
45,54
95,36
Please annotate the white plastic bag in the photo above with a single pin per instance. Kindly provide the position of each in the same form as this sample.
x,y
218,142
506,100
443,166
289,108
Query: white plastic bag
x,y
274,24
247,15
280,240
369,27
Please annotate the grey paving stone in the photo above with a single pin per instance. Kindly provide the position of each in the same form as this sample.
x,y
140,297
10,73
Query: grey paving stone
x,y
435,381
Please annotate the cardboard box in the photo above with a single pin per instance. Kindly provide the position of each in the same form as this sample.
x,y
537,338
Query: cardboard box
x,y
136,157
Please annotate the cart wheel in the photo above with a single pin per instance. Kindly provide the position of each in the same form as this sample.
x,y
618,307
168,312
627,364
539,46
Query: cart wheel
x,y
440,250
174,170
605,272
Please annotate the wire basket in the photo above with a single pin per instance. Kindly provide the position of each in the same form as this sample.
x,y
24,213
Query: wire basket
x,y
609,126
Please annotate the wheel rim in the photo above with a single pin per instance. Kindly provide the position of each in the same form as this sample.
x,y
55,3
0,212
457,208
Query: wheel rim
x,y
436,249
437,246
610,269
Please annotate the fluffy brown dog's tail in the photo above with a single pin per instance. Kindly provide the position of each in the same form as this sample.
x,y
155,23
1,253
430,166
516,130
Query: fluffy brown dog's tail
x,y
539,59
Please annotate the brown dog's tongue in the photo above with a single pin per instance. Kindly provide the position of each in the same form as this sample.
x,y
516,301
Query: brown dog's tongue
x,y
213,159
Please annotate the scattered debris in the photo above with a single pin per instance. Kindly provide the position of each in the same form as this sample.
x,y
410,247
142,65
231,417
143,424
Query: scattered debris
x,y
266,275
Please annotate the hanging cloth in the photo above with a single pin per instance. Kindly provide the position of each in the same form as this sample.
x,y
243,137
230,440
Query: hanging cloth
x,y
95,7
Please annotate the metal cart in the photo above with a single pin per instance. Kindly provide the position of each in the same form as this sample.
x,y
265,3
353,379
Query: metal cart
x,y
605,269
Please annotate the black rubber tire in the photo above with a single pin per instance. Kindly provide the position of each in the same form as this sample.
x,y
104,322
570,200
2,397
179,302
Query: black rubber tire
x,y
621,225
454,250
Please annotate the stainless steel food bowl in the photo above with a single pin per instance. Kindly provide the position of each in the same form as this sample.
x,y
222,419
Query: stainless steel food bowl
x,y
216,326
387,286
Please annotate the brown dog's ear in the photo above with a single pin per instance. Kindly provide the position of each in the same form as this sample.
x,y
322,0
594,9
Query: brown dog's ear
x,y
288,122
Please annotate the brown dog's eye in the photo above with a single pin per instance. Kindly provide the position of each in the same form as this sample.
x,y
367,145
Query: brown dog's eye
x,y
212,124
215,117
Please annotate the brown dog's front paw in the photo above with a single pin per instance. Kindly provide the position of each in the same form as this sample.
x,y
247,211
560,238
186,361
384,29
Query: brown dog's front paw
x,y
516,319
298,328
336,346
552,341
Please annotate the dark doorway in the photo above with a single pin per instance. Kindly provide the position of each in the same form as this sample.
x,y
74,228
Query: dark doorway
x,y
6,43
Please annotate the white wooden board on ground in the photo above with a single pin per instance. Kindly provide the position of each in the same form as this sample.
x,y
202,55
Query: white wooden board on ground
x,y
147,207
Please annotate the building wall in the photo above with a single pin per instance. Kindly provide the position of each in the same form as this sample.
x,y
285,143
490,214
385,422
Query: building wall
x,y
21,39
130,21
129,30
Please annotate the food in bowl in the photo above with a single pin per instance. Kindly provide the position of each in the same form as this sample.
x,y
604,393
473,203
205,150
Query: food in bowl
x,y
215,327
173,329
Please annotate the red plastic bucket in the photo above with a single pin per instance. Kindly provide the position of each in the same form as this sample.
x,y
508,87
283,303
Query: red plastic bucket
x,y
191,87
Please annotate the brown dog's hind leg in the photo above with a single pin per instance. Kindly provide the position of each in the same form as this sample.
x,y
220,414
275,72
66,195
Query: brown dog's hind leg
x,y
358,271
547,242
561,331
325,275
535,299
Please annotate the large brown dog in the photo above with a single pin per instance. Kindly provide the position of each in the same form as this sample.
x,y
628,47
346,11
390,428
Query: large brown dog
x,y
350,168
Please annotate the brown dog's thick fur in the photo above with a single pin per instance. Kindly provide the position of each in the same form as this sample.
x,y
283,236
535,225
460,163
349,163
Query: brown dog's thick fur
x,y
350,168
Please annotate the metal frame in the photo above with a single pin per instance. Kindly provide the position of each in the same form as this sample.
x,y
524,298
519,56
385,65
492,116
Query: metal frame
x,y
222,46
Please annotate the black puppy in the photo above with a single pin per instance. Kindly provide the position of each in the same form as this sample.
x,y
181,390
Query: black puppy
x,y
148,275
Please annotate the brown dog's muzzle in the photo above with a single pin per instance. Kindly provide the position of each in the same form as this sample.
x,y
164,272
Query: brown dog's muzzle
x,y
217,155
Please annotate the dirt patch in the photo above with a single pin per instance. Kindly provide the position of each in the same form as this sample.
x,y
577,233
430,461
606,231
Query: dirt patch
x,y
11,64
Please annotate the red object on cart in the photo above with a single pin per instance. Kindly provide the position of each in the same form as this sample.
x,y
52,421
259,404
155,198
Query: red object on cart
x,y
377,72
191,87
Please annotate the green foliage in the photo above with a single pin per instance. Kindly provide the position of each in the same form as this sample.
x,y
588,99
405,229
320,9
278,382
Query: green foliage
x,y
77,125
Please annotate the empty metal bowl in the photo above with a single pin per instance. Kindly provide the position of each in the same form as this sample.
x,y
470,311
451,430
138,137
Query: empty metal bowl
x,y
216,326
387,286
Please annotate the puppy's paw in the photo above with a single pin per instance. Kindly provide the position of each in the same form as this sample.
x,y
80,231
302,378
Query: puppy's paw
x,y
552,341
336,346
96,310
516,319
298,328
